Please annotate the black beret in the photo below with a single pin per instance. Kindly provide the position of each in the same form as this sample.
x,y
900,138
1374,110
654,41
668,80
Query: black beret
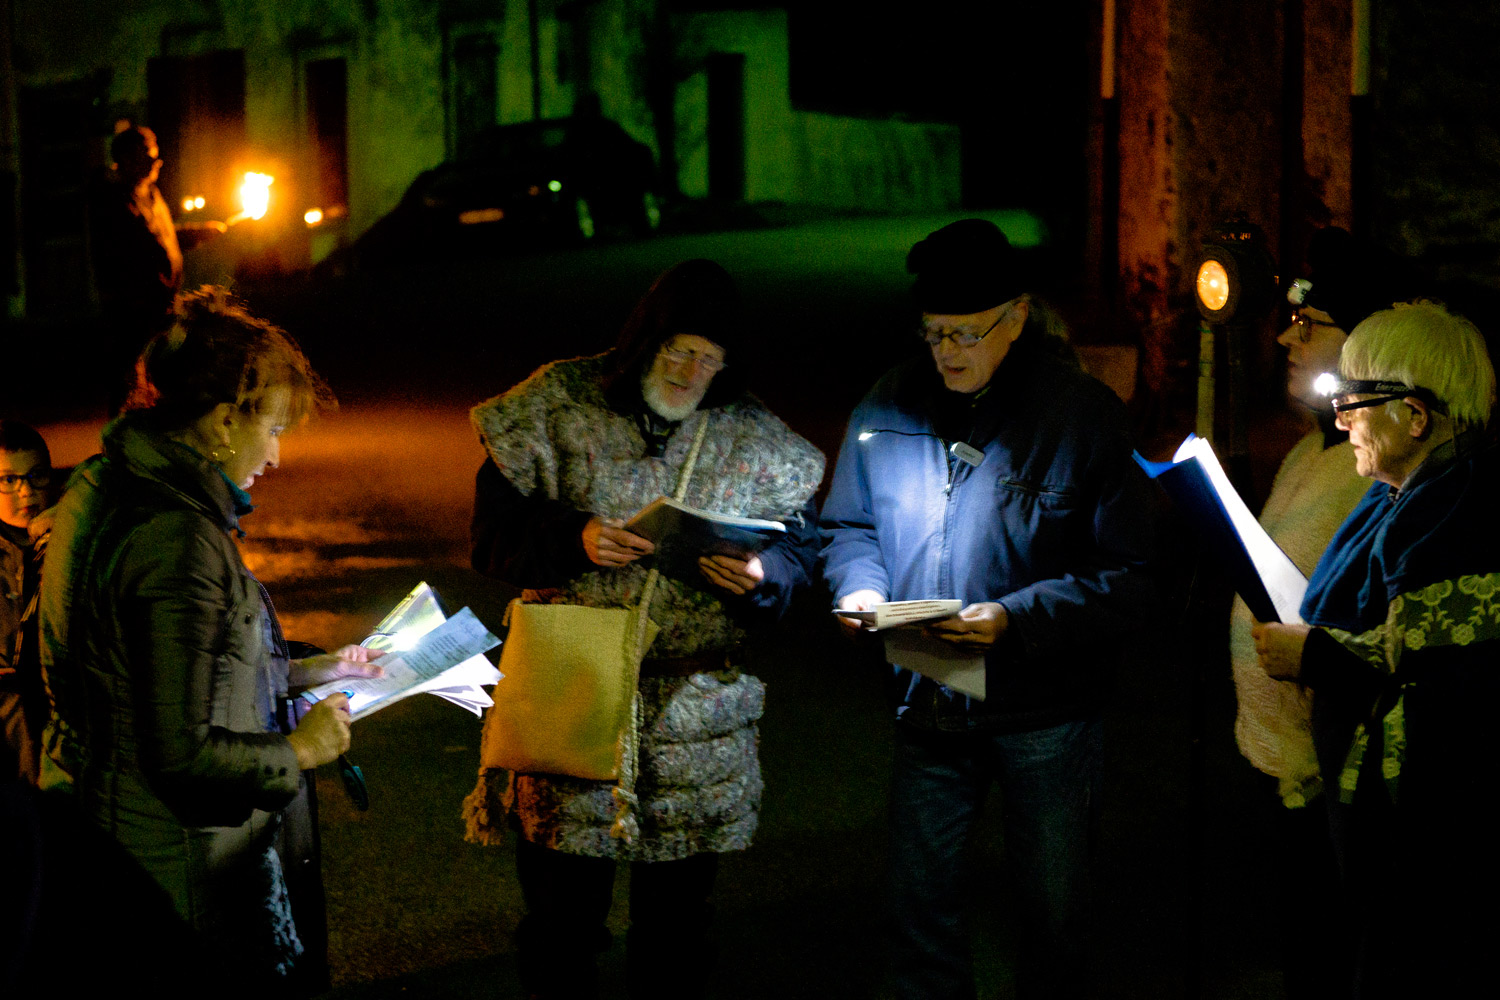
x,y
966,267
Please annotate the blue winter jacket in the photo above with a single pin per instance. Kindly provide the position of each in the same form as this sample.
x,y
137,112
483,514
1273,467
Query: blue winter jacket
x,y
1054,523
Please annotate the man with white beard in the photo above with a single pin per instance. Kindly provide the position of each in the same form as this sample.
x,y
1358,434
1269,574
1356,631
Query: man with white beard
x,y
573,451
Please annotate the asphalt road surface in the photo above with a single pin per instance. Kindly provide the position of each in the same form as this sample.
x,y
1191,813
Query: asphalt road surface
x,y
372,499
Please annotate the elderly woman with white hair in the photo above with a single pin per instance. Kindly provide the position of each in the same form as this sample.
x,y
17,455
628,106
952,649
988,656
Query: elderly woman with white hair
x,y
1402,650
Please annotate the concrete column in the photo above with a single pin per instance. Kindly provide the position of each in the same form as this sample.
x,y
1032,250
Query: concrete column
x,y
1327,134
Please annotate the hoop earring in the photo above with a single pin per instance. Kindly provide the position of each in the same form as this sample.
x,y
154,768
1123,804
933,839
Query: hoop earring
x,y
214,455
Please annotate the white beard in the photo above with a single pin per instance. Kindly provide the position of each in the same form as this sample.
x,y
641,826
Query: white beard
x,y
651,391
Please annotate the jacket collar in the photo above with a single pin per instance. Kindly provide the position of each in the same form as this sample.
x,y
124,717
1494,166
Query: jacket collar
x,y
176,470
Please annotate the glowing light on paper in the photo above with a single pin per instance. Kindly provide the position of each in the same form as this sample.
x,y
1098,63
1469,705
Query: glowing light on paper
x,y
407,638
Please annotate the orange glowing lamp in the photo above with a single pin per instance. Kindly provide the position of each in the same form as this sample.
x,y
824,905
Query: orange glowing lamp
x,y
312,216
255,194
1213,285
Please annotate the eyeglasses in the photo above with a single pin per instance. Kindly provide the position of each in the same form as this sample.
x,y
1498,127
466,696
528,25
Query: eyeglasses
x,y
1305,323
711,365
962,338
37,479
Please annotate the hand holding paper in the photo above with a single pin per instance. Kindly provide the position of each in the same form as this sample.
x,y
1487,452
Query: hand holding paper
x,y
736,575
859,600
976,627
1280,648
350,661
435,660
323,733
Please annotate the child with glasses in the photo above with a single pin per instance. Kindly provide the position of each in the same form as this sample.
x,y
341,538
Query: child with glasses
x,y
25,478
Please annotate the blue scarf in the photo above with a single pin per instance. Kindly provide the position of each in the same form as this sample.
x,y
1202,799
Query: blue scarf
x,y
1440,525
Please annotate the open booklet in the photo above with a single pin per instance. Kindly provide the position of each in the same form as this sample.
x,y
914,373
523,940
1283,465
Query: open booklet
x,y
1262,574
683,533
913,649
424,652
890,614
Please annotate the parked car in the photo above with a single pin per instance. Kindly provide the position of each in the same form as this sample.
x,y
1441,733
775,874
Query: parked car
x,y
553,181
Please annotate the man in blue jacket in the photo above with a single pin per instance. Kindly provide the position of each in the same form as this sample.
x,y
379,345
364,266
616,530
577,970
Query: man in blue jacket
x,y
998,474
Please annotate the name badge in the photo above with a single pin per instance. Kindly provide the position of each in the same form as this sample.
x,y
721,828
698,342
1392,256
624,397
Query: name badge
x,y
967,453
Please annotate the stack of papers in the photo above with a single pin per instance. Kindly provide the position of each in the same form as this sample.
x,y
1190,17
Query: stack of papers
x,y
425,652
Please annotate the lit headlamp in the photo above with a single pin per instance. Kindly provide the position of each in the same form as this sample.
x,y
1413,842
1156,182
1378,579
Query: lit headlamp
x,y
1337,388
1297,291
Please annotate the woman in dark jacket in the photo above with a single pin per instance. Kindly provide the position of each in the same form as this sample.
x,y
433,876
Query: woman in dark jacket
x,y
166,665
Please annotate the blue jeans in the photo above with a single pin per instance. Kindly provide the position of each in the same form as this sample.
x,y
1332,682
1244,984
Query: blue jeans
x,y
1048,782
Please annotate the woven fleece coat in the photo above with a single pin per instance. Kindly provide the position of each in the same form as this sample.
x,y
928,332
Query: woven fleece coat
x,y
1315,489
556,436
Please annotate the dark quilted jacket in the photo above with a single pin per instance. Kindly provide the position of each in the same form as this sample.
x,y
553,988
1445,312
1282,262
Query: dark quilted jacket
x,y
153,636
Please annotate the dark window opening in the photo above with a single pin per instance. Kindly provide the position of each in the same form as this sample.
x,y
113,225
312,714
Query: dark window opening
x,y
61,129
328,132
476,91
726,126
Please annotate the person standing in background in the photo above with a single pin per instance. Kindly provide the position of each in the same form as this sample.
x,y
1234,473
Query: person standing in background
x,y
137,259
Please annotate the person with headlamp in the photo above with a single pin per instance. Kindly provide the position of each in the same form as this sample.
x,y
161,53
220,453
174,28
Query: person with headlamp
x,y
1314,490
1400,651
996,472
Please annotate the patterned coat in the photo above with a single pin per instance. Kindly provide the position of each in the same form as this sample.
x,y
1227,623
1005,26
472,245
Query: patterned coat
x,y
565,454
1402,661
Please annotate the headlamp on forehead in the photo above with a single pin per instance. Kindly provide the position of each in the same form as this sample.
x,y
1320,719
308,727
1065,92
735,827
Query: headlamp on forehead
x,y
1296,292
1339,390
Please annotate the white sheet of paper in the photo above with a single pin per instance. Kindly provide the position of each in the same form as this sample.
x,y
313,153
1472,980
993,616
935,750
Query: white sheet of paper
x,y
1284,582
459,638
455,642
958,668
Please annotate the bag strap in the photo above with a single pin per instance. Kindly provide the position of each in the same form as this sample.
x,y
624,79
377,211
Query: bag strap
x,y
649,590
626,827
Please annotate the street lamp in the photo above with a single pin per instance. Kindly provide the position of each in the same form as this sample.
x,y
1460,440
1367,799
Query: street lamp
x,y
1236,279
1235,286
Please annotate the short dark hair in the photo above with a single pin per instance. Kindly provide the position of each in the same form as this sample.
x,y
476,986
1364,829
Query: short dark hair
x,y
218,352
16,436
131,139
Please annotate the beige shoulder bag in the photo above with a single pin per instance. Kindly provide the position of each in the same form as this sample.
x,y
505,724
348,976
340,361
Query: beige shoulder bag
x,y
567,702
